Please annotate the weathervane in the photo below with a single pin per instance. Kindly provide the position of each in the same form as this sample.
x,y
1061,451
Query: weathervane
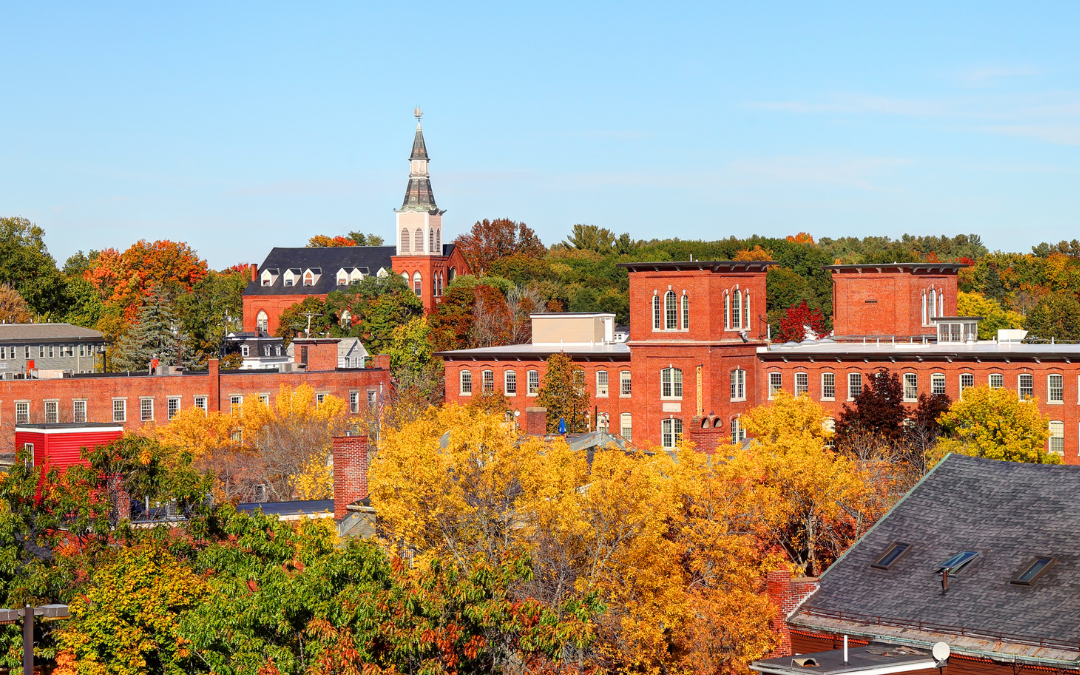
x,y
418,113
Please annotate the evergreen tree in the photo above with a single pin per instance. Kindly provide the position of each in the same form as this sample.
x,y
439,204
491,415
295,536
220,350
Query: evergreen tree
x,y
564,395
157,334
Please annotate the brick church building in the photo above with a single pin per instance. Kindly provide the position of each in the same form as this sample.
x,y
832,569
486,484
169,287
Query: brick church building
x,y
698,354
289,275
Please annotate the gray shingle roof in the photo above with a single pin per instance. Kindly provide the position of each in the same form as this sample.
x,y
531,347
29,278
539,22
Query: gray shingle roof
x,y
1006,511
41,332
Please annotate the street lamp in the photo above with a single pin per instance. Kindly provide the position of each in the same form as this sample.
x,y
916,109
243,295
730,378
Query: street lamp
x,y
28,613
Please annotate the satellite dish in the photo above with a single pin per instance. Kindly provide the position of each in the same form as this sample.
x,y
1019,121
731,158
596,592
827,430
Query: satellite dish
x,y
941,652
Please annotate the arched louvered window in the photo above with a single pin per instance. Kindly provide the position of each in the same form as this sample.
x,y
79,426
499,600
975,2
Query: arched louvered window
x,y
431,240
685,312
933,303
405,243
656,312
671,311
438,239
418,242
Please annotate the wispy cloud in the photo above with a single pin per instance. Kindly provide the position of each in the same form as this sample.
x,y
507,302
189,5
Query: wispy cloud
x,y
978,77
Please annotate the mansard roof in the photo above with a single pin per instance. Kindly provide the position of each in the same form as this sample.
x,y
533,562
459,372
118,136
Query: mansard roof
x,y
418,196
330,260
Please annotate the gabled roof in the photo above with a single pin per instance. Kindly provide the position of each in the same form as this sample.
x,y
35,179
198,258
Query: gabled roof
x,y
318,259
48,332
1009,513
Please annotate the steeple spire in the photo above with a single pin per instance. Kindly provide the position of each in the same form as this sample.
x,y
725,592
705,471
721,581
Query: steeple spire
x,y
418,195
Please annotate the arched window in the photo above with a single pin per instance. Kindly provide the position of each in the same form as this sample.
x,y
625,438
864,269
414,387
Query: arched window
x,y
418,284
405,276
405,244
453,273
738,434
746,311
656,312
438,240
941,304
685,312
671,311
925,320
727,311
418,242
262,322
738,385
346,319
670,383
670,432
736,310
431,240
933,303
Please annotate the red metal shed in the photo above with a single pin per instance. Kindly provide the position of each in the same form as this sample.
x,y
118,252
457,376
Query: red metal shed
x,y
58,445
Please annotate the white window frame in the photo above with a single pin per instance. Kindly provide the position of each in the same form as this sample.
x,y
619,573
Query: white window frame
x,y
487,381
22,412
465,383
245,351
1000,378
969,377
354,402
802,383
671,311
938,384
911,387
671,432
830,375
77,416
603,383
625,384
684,311
532,382
143,409
236,403
738,433
1056,442
657,312
1020,386
53,405
202,403
673,384
626,426
1055,397
776,383
738,384
510,382
119,410
851,379
172,407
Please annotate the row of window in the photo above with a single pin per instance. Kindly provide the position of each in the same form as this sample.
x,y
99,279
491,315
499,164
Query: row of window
x,y
1025,385
668,318
146,407
47,351
418,283
532,383
416,242
933,305
245,350
671,431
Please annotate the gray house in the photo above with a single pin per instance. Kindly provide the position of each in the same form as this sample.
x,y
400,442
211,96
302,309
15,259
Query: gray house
x,y
47,350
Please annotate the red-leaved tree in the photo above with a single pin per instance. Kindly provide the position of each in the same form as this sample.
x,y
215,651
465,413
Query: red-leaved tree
x,y
797,319
492,240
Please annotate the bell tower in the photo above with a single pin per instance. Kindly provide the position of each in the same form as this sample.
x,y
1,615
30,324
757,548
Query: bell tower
x,y
422,259
419,220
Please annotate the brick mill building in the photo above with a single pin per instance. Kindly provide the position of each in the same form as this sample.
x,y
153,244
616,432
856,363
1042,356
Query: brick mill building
x,y
698,354
289,275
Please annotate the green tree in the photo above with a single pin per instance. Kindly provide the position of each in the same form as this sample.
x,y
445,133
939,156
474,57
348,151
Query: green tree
x,y
994,423
1055,316
993,316
25,263
591,238
362,239
564,394
158,334
213,309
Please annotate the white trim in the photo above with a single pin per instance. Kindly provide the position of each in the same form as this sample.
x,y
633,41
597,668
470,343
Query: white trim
x,y
28,428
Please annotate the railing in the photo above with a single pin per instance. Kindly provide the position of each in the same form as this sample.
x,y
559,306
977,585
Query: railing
x,y
931,627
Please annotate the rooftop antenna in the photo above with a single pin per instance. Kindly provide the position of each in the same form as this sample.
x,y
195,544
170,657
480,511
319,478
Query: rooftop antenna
x,y
307,333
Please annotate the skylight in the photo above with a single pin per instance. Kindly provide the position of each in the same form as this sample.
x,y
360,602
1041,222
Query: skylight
x,y
957,562
895,552
1033,571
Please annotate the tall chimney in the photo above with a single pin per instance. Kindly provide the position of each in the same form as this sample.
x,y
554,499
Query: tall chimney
x,y
254,271
350,472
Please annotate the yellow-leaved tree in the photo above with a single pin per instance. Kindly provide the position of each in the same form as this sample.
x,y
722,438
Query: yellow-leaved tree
x,y
996,424
825,499
282,445
673,549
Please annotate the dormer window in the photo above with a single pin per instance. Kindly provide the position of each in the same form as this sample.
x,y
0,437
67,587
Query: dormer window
x,y
356,276
269,277
309,279
343,277
244,351
291,277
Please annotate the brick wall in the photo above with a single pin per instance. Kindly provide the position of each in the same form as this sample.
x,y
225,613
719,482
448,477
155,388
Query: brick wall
x,y
886,303
100,392
273,305
316,353
785,594
350,472
708,433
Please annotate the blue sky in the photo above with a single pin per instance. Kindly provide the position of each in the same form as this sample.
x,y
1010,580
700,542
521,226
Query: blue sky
x,y
255,125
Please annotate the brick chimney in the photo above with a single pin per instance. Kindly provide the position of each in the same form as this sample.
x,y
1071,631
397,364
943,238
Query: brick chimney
x,y
350,472
785,594
536,421
254,271
381,361
213,371
707,433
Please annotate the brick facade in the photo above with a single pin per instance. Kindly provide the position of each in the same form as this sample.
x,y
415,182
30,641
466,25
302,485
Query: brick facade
x,y
350,472
785,593
891,300
100,396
